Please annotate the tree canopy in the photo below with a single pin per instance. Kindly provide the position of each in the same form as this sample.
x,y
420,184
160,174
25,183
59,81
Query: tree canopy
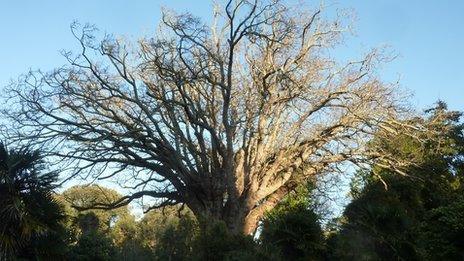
x,y
227,117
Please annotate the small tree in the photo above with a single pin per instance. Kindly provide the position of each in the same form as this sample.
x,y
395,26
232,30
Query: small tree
x,y
93,245
226,118
31,221
293,228
80,198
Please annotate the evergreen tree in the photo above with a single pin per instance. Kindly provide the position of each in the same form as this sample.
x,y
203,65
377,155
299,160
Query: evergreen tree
x,y
31,219
409,218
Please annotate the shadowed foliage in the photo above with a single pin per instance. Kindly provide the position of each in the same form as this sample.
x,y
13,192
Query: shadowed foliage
x,y
293,228
414,218
30,216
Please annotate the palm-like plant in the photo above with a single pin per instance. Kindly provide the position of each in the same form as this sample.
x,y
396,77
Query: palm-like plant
x,y
27,207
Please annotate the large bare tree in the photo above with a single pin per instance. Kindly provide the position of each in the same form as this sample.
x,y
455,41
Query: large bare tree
x,y
226,117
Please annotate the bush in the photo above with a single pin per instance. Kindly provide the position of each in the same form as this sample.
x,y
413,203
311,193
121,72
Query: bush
x,y
293,229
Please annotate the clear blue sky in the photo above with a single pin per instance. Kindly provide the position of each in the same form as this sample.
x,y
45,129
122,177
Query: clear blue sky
x,y
428,35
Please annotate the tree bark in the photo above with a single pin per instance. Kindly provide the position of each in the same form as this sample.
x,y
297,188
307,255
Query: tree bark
x,y
241,216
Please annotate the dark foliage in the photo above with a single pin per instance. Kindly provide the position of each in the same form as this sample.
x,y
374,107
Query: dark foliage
x,y
293,229
417,217
30,216
93,246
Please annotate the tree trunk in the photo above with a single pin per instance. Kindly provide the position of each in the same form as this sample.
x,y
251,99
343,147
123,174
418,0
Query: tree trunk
x,y
236,223
238,216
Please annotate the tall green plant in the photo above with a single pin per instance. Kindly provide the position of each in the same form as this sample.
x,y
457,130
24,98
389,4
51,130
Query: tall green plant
x,y
28,210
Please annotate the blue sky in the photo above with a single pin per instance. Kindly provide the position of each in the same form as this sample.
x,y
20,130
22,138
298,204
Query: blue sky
x,y
428,35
